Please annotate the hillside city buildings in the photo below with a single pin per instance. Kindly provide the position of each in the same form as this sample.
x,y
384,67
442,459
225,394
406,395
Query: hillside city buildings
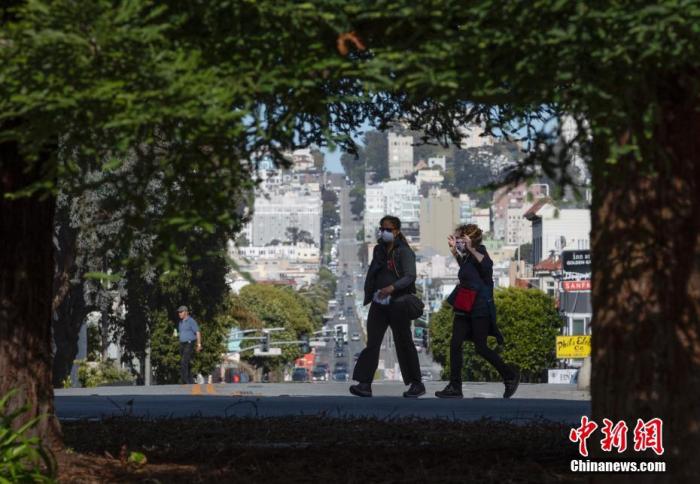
x,y
527,232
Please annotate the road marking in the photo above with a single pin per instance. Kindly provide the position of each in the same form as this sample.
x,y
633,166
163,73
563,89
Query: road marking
x,y
196,389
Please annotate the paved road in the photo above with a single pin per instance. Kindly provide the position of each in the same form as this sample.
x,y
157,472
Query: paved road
x,y
350,289
482,400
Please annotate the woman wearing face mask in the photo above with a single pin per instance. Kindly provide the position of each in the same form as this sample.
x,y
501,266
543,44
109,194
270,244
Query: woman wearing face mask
x,y
474,311
391,274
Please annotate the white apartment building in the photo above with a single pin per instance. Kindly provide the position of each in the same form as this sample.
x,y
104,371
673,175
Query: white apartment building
x,y
429,176
473,137
397,197
482,218
466,210
554,230
282,207
299,263
303,160
518,230
399,155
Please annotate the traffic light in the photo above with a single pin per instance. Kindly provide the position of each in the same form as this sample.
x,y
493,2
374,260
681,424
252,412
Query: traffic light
x,y
339,334
266,342
304,345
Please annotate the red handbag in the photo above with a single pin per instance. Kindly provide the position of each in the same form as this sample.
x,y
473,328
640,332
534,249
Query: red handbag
x,y
464,301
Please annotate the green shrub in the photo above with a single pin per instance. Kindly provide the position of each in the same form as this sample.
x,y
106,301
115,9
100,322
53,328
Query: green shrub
x,y
103,373
529,322
22,458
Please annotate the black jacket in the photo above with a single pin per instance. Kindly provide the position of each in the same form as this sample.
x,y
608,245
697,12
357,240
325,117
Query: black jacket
x,y
478,276
405,263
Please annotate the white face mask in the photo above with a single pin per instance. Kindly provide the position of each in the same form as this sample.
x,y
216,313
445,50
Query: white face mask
x,y
387,236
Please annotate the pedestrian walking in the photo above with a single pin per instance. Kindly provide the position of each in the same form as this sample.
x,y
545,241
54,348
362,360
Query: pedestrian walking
x,y
390,289
474,311
189,335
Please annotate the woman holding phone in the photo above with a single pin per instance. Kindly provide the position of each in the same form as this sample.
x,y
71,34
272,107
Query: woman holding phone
x,y
474,311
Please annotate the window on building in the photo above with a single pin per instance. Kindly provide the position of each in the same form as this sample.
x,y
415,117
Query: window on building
x,y
578,326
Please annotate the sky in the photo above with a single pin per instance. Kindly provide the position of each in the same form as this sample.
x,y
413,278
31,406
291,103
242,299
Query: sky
x,y
333,161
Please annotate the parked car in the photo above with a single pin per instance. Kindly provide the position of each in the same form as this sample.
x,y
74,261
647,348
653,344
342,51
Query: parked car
x,y
300,374
341,375
355,337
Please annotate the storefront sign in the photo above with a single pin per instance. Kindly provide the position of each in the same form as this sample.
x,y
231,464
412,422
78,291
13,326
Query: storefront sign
x,y
576,268
573,346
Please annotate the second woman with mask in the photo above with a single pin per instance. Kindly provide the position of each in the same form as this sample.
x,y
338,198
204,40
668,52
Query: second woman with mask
x,y
391,274
474,311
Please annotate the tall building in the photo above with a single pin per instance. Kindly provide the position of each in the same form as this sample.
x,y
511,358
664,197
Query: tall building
x,y
507,201
298,206
398,198
439,215
465,210
399,155
518,230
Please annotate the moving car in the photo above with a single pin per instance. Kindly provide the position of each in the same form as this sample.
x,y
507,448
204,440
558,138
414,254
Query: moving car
x,y
319,374
355,337
300,374
340,365
339,353
341,375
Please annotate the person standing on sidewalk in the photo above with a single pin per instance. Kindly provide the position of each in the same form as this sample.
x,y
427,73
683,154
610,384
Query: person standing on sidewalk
x,y
391,274
474,311
189,334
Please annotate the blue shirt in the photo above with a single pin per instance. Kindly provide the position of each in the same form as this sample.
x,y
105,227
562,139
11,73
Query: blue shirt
x,y
187,329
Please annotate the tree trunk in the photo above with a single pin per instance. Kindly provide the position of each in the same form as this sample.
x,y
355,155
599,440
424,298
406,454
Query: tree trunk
x,y
646,294
26,278
69,307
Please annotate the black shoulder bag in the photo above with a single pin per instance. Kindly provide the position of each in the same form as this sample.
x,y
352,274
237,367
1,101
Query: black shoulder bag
x,y
414,306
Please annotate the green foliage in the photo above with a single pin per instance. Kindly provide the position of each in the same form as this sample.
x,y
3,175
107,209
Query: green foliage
x,y
22,458
92,374
357,200
203,300
529,322
94,342
330,216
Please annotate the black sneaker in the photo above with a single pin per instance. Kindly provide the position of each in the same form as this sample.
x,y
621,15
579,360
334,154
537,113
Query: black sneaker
x,y
361,389
415,390
511,385
450,391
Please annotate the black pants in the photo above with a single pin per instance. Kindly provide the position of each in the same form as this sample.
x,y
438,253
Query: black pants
x,y
379,318
186,350
475,328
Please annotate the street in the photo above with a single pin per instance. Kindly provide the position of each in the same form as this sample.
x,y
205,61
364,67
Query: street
x,y
482,400
349,295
